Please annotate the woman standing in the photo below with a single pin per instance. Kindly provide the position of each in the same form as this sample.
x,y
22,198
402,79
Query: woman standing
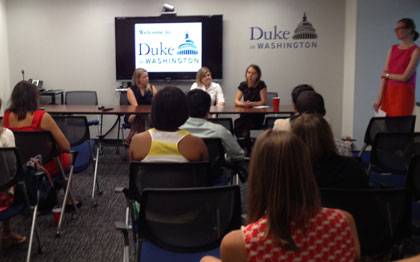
x,y
140,93
204,81
398,83
251,92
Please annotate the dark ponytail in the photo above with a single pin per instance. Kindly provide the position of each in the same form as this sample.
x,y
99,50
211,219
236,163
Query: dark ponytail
x,y
409,24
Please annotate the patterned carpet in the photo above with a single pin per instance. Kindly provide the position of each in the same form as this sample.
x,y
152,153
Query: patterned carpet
x,y
90,236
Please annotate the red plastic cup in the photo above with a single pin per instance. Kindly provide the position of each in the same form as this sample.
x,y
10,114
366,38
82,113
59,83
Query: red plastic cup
x,y
56,214
276,103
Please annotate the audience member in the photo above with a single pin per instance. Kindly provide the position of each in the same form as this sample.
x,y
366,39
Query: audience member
x,y
198,103
330,169
251,92
310,102
205,83
24,115
140,93
286,221
8,237
307,101
166,142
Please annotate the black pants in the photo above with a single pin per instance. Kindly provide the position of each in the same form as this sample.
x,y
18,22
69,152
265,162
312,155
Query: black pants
x,y
246,122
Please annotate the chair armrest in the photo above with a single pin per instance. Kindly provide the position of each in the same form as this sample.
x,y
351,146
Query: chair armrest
x,y
119,189
124,229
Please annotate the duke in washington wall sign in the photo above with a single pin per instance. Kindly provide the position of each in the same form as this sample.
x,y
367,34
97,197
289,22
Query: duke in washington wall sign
x,y
304,36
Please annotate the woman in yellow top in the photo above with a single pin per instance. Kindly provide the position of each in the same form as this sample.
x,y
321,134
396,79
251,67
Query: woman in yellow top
x,y
166,142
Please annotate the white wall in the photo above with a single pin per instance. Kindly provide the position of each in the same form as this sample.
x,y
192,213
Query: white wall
x,y
4,57
70,44
375,35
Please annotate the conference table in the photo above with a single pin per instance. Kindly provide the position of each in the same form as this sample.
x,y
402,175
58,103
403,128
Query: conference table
x,y
146,109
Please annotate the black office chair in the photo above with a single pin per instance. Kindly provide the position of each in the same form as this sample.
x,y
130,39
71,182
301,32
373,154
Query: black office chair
x,y
391,153
190,224
167,175
270,96
382,216
12,176
216,156
84,98
402,124
224,121
219,166
76,130
413,178
42,143
160,175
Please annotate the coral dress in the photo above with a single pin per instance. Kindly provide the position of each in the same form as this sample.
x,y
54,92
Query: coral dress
x,y
398,97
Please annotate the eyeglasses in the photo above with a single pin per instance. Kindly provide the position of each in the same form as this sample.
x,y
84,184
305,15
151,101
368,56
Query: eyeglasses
x,y
400,28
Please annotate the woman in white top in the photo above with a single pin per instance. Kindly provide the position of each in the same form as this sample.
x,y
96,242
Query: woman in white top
x,y
204,82
8,237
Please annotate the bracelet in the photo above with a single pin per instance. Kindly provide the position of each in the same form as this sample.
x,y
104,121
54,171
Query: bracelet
x,y
387,75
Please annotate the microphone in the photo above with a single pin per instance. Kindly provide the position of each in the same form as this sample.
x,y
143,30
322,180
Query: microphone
x,y
23,74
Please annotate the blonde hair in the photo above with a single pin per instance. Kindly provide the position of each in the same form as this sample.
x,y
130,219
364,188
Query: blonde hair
x,y
138,72
201,73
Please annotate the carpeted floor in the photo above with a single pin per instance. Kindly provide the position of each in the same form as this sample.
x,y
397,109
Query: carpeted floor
x,y
90,236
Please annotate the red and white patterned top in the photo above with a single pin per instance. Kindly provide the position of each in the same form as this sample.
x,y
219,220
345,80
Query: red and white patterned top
x,y
328,238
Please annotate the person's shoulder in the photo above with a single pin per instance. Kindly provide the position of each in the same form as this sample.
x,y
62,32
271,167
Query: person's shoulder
x,y
261,84
194,86
7,134
232,247
215,85
282,124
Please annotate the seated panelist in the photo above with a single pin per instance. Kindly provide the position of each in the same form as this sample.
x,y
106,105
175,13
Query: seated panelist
x,y
140,93
205,83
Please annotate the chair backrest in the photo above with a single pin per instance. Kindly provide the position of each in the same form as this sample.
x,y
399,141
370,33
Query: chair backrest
x,y
30,144
382,216
216,155
75,128
167,175
191,219
224,121
10,167
269,120
413,177
124,98
391,152
81,98
270,96
388,125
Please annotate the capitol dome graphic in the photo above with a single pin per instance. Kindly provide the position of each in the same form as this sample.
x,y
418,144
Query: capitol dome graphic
x,y
305,30
188,47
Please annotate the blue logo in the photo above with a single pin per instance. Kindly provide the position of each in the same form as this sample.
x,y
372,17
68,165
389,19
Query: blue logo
x,y
187,47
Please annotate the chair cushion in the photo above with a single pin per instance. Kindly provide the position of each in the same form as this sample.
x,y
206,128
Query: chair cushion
x,y
150,252
12,211
84,155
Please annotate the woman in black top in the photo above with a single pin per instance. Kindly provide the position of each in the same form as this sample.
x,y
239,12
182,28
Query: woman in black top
x,y
140,93
252,92
330,169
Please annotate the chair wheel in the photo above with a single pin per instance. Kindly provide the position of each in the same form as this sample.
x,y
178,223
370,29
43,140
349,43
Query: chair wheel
x,y
100,193
94,205
57,235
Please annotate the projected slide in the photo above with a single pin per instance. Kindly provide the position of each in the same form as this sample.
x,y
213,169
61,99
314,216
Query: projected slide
x,y
168,47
